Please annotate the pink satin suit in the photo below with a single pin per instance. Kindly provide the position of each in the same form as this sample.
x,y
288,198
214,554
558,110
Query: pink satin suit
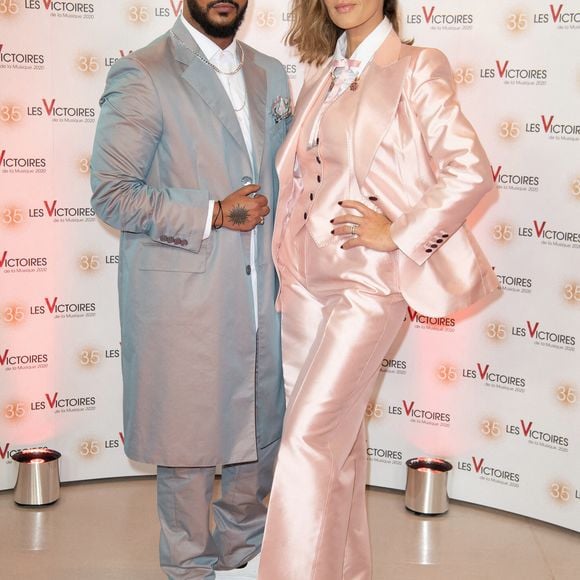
x,y
342,309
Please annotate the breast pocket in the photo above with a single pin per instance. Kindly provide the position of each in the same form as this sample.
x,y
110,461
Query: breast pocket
x,y
163,258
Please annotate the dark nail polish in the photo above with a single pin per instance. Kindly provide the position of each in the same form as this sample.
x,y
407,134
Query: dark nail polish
x,y
342,247
331,231
340,203
373,198
332,221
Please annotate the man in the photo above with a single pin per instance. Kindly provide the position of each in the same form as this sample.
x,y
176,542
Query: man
x,y
186,139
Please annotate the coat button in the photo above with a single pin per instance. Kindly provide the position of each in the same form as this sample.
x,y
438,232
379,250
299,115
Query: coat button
x,y
428,250
434,246
169,239
248,270
163,238
311,196
305,215
444,235
318,178
184,242
318,160
440,240
177,241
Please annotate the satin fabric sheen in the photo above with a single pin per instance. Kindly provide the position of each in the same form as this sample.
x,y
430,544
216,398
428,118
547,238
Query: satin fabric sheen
x,y
400,145
341,311
411,147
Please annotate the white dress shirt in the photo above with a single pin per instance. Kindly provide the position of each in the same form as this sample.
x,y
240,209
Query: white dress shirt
x,y
235,87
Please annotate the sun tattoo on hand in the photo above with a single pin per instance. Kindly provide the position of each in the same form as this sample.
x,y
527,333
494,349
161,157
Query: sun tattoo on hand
x,y
238,215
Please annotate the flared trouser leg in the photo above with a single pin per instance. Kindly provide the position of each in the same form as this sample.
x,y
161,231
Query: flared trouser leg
x,y
357,553
316,527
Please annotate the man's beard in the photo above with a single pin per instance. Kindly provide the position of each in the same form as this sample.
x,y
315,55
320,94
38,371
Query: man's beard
x,y
211,28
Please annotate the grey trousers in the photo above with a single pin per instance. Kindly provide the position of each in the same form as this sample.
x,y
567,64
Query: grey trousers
x,y
188,548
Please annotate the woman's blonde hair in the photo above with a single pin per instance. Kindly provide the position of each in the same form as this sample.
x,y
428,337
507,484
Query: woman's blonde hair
x,y
314,34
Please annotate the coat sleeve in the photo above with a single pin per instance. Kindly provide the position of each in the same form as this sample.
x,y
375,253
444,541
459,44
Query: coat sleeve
x,y
462,170
128,133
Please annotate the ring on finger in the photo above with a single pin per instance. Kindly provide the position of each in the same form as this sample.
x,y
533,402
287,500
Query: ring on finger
x,y
261,222
353,229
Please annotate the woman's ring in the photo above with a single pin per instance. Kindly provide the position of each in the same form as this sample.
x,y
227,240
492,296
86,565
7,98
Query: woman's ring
x,y
353,229
261,222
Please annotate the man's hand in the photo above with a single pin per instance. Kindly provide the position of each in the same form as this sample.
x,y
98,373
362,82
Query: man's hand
x,y
242,212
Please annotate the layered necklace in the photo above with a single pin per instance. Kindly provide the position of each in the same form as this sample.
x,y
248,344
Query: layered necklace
x,y
204,60
226,73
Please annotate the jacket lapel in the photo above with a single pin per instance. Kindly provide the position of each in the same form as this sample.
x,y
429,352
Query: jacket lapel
x,y
256,88
287,152
203,79
379,100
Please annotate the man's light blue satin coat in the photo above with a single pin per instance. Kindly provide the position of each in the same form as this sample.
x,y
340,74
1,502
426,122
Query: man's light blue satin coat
x,y
199,389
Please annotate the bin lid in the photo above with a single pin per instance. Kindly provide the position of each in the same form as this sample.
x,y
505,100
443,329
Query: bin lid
x,y
431,463
36,455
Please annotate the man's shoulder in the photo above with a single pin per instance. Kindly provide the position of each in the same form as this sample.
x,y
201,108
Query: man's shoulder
x,y
150,54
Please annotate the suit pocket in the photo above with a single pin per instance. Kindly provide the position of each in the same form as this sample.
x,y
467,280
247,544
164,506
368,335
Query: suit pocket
x,y
163,258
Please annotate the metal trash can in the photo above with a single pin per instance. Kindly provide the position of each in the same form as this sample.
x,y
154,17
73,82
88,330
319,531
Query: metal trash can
x,y
426,491
38,481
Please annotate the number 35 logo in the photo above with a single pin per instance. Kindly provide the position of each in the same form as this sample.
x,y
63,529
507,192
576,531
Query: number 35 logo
x,y
266,19
8,8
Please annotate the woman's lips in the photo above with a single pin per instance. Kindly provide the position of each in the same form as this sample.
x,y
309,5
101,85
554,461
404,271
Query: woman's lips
x,y
344,8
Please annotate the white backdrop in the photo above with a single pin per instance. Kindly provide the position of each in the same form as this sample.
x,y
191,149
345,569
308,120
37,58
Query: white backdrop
x,y
495,392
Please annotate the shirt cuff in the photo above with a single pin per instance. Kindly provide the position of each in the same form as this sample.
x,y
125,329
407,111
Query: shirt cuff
x,y
207,230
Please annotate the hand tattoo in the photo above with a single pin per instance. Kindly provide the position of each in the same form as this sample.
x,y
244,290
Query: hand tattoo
x,y
238,215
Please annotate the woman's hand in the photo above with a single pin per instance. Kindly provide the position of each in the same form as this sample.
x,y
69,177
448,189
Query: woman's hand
x,y
371,229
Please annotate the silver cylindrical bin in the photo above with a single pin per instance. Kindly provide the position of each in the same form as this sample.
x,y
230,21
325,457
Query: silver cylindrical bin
x,y
426,491
38,480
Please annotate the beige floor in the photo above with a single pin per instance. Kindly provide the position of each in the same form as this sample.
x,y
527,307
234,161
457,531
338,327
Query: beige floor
x,y
107,530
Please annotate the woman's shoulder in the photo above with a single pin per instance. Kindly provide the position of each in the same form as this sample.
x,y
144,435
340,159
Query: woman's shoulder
x,y
424,55
426,62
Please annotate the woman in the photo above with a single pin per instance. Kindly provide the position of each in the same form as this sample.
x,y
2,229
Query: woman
x,y
378,174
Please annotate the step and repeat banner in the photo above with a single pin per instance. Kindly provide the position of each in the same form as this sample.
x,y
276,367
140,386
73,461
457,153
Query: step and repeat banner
x,y
494,391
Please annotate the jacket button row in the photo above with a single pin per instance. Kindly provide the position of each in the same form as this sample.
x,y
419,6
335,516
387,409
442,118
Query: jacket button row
x,y
434,244
172,240
248,270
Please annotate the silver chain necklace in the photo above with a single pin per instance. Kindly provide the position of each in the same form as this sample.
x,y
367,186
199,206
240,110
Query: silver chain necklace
x,y
204,60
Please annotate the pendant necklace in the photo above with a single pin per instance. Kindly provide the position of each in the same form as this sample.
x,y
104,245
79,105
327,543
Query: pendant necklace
x,y
353,86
